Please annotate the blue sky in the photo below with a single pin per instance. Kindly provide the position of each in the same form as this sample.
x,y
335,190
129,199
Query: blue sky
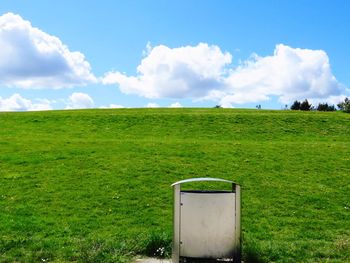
x,y
194,53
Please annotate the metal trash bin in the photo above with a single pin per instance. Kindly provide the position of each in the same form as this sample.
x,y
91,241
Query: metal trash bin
x,y
207,224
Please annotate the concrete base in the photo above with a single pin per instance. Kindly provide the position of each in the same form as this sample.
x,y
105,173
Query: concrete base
x,y
152,260
157,260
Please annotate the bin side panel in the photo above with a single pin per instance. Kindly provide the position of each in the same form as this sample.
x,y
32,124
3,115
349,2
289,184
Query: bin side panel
x,y
176,224
207,228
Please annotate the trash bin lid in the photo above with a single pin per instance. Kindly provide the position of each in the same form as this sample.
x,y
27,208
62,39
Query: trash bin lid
x,y
202,179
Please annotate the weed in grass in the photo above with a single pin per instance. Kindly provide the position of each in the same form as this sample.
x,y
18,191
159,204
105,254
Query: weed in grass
x,y
95,250
157,245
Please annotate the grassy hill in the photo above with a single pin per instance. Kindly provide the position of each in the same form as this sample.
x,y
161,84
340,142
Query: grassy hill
x,y
94,185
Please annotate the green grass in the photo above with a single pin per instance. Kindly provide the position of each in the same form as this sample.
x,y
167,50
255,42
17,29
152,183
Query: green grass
x,y
94,185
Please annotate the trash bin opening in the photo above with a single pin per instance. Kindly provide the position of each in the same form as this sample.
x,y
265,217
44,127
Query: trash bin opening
x,y
206,191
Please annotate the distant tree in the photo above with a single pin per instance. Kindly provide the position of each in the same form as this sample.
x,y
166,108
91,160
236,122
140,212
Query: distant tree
x,y
331,108
295,105
218,107
345,105
258,107
305,105
325,107
322,107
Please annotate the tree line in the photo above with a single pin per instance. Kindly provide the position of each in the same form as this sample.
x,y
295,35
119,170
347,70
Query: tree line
x,y
306,106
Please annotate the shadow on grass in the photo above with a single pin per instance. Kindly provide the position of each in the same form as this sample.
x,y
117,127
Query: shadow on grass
x,y
253,258
252,254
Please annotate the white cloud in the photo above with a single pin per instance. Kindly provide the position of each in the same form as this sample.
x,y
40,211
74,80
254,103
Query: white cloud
x,y
189,71
290,73
331,100
80,100
228,100
31,58
17,103
147,50
204,72
112,106
175,105
75,101
152,105
336,99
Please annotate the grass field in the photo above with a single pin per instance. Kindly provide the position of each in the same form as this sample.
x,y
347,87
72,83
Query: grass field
x,y
94,185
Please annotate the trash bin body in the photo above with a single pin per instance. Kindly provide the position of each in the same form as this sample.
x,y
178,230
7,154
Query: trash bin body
x,y
206,223
207,226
